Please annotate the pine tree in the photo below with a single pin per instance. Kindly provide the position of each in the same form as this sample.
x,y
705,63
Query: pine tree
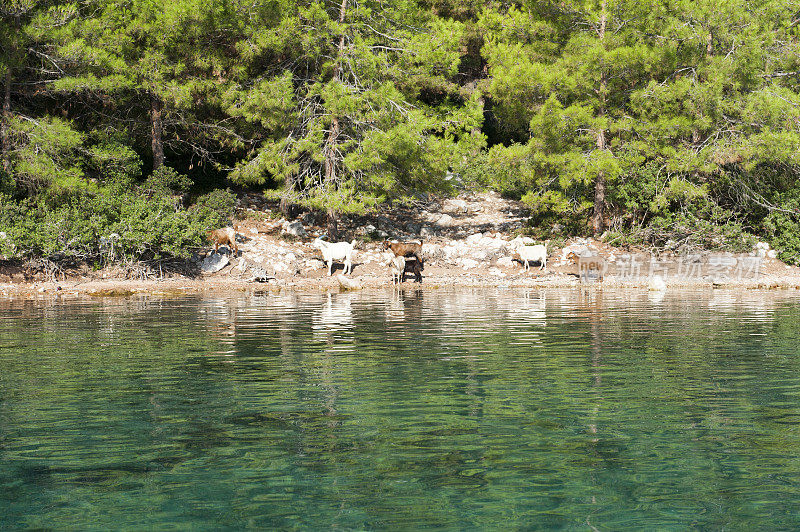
x,y
343,125
575,65
159,63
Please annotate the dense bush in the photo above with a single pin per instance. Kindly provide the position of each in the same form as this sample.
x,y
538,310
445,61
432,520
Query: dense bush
x,y
111,223
215,209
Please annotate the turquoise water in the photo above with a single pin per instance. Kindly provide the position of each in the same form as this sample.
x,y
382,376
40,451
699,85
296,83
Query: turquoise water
x,y
467,409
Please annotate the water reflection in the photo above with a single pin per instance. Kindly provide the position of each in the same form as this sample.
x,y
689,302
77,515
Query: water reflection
x,y
402,409
336,315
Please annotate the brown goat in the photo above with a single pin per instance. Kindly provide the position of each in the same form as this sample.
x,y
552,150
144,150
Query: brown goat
x,y
225,236
405,249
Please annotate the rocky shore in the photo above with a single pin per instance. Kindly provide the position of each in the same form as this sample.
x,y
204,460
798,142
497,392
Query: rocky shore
x,y
468,241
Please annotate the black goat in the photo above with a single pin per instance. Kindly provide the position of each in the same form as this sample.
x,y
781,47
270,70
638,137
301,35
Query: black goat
x,y
414,265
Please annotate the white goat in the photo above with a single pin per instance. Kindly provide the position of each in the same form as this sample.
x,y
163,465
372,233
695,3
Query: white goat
x,y
536,253
336,251
397,265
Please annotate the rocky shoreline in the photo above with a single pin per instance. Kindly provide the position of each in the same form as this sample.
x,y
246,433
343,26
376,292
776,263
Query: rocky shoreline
x,y
468,242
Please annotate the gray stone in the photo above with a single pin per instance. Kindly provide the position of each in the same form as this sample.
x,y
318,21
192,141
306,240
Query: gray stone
x,y
427,231
432,251
259,275
213,263
295,229
455,206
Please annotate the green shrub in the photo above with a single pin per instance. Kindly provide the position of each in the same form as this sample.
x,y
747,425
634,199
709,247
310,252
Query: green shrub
x,y
105,224
165,180
782,229
217,208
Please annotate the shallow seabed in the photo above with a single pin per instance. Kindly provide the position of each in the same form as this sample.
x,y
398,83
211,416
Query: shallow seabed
x,y
457,409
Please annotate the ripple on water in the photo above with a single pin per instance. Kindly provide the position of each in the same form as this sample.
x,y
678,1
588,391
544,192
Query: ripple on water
x,y
402,409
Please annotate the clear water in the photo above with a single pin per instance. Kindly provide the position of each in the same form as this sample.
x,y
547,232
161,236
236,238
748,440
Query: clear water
x,y
468,409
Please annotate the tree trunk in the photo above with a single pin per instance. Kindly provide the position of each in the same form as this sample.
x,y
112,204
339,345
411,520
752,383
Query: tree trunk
x,y
156,129
4,135
599,204
342,11
286,204
600,183
333,225
331,145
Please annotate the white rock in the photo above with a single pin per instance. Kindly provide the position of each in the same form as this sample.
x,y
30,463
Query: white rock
x,y
773,253
525,240
445,220
493,243
480,254
505,262
290,257
432,251
468,264
474,239
348,284
280,267
427,231
496,272
3,235
578,249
